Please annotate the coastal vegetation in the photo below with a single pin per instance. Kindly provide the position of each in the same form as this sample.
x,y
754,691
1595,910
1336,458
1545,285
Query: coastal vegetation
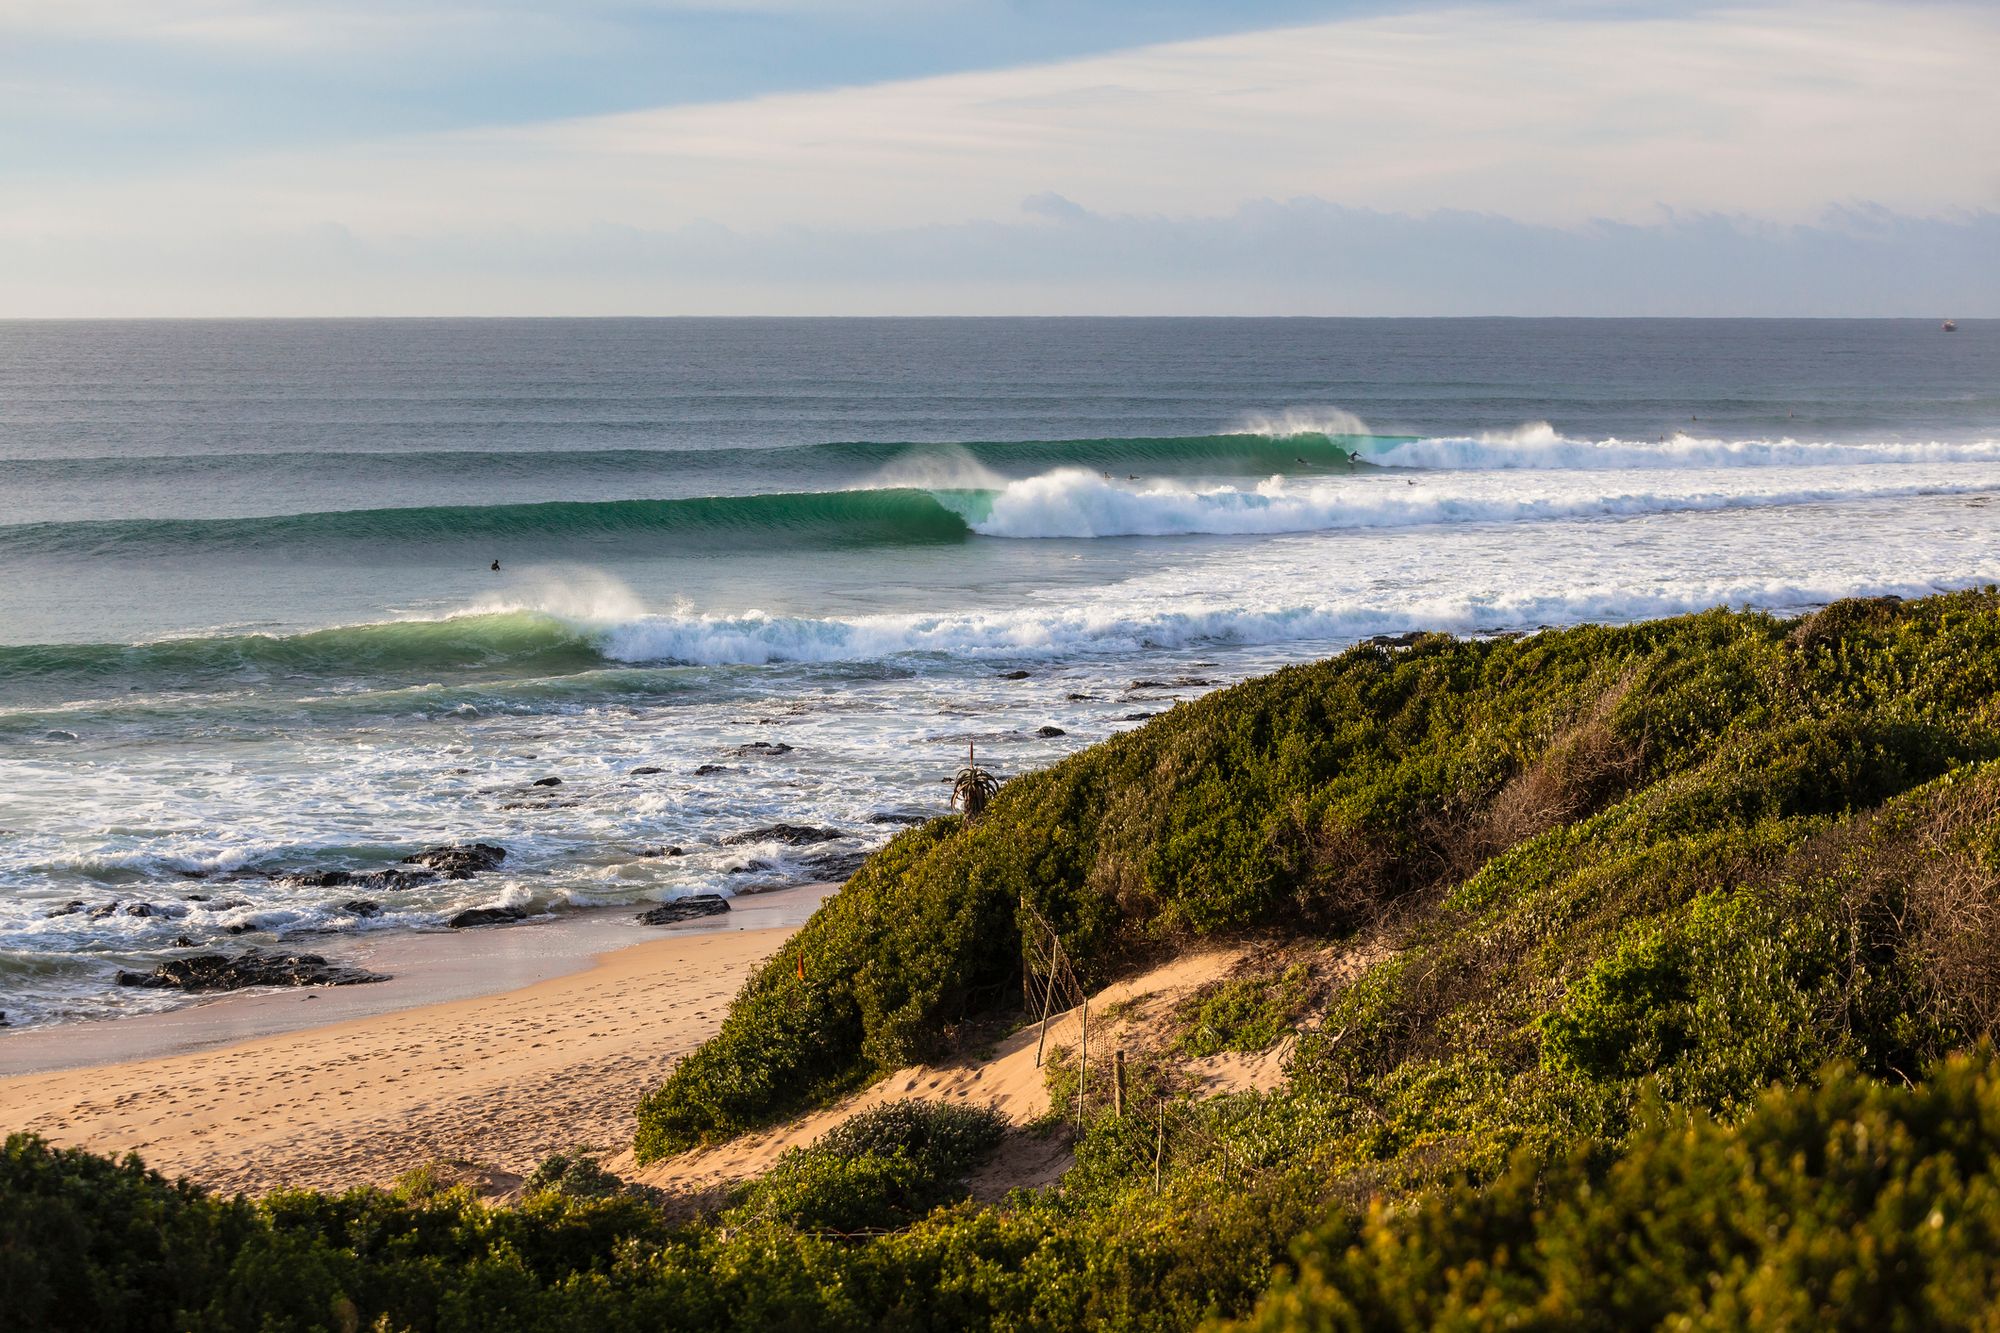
x,y
1675,951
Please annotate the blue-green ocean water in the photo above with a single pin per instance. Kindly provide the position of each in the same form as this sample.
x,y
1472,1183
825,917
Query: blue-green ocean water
x,y
249,624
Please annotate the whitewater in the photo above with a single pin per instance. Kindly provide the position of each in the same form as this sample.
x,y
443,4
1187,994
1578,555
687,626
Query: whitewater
x,y
785,574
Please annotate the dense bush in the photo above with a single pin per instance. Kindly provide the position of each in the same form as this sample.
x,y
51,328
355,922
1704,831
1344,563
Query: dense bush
x,y
1858,1205
879,1169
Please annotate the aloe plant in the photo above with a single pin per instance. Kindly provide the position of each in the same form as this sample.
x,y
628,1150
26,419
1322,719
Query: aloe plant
x,y
974,787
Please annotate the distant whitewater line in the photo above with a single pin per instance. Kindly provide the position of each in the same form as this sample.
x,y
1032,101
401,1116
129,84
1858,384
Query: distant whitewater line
x,y
1069,503
1540,446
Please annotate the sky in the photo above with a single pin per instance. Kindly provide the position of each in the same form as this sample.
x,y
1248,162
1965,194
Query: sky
x,y
1261,157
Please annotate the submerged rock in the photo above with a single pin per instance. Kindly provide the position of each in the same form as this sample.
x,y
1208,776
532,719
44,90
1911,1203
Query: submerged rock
x,y
1048,732
684,909
103,910
762,749
647,770
707,769
363,907
485,916
182,942
460,860
70,908
652,853
1014,675
546,782
214,971
797,835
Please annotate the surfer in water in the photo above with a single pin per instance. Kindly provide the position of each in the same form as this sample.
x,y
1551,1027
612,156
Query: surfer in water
x,y
496,566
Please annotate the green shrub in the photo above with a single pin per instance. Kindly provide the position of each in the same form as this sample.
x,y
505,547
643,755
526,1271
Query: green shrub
x,y
882,1168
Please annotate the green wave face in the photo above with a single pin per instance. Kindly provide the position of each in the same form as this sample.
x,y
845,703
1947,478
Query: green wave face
x,y
900,516
511,642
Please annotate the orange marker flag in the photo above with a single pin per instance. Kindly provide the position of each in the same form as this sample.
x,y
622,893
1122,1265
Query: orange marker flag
x,y
802,967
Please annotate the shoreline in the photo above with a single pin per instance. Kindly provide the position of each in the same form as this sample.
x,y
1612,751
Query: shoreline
x,y
496,1080
425,969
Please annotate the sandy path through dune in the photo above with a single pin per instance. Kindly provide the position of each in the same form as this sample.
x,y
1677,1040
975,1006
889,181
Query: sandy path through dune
x,y
501,1080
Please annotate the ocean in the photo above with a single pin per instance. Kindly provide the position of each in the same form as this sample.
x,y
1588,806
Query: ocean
x,y
758,572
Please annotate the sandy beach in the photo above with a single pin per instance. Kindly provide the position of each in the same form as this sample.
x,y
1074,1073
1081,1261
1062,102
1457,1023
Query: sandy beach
x,y
337,1087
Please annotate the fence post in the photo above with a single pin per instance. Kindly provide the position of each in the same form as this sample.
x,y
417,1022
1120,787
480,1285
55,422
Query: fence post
x,y
1159,1149
1083,1062
1118,1084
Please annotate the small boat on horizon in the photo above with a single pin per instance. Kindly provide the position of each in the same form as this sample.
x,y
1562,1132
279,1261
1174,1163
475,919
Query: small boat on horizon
x,y
1951,326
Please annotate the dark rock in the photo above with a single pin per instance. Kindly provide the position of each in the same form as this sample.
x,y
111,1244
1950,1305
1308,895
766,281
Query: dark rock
x,y
214,971
103,910
1078,698
194,897
706,769
1014,675
685,909
192,874
897,817
3,1019
654,852
647,770
1193,682
1403,640
363,907
240,929
1137,717
797,835
229,904
834,865
459,861
485,916
750,868
143,909
1050,731
59,735
762,750
379,880
70,908
546,782
182,942
1147,685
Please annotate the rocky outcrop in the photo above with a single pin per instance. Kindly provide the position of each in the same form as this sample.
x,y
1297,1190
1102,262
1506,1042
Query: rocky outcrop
x,y
647,770
485,916
546,782
460,860
762,750
218,972
1049,732
797,835
361,907
685,909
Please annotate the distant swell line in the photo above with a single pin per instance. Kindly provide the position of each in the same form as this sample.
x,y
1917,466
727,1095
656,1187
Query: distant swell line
x,y
1245,452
